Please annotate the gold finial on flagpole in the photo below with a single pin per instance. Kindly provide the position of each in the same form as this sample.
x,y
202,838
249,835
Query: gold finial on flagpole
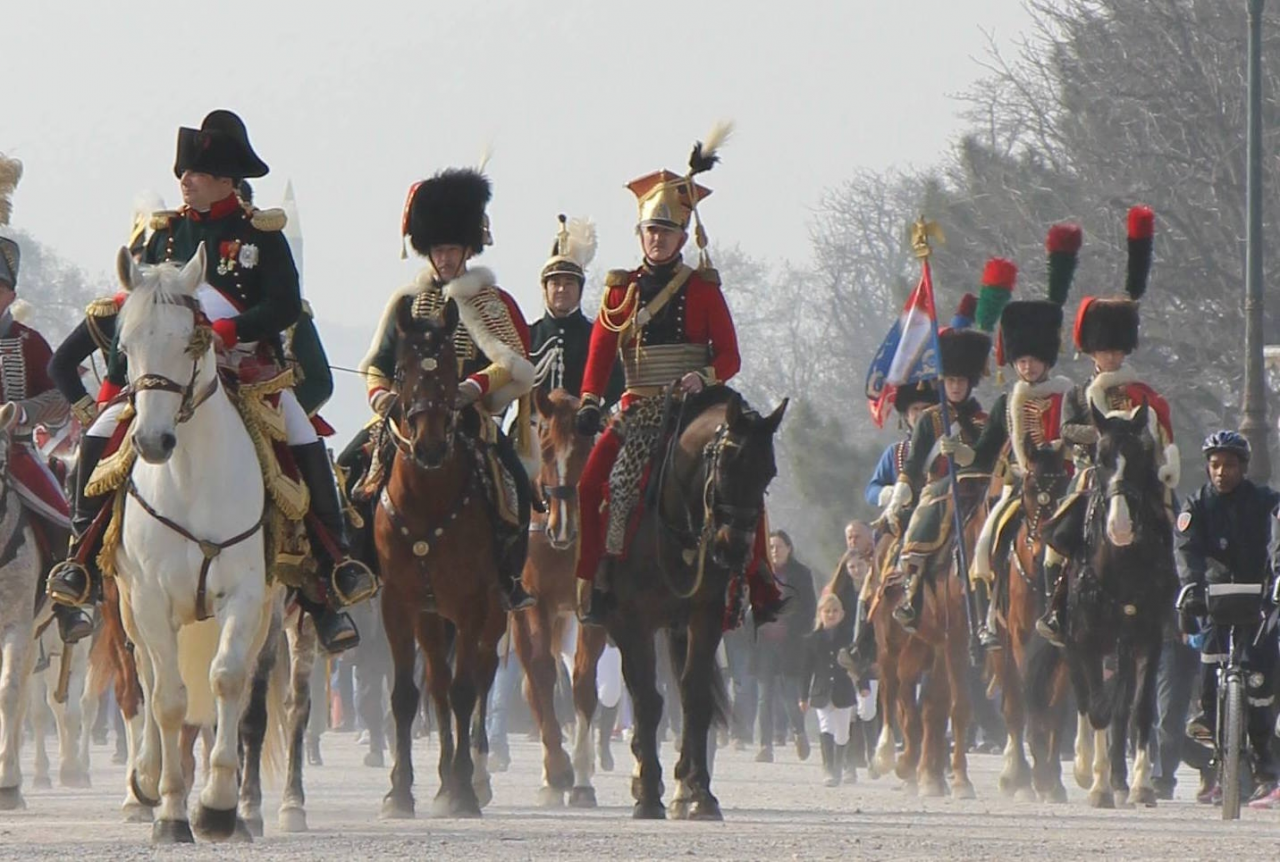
x,y
922,233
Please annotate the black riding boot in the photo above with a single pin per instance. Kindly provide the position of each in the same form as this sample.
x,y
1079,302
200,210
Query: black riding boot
x,y
987,621
75,582
839,754
1049,626
350,581
515,548
907,613
595,610
828,744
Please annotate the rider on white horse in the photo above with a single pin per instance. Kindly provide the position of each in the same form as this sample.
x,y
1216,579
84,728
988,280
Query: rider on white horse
x,y
251,295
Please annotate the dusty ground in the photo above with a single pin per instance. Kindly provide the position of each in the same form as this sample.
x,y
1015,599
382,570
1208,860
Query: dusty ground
x,y
772,811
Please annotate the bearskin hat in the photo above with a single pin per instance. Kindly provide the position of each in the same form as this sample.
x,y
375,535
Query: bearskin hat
x,y
963,353
449,209
1031,327
913,393
1106,324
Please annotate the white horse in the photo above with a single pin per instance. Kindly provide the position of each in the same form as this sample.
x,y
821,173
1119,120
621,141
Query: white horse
x,y
60,691
19,575
192,542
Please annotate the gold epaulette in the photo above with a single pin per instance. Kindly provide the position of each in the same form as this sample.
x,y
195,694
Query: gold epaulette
x,y
271,220
618,277
710,274
103,307
160,220
306,309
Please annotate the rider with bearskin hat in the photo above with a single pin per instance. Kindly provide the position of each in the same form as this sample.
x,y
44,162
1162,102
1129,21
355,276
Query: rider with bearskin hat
x,y
963,359
1032,412
665,321
445,222
1106,330
250,295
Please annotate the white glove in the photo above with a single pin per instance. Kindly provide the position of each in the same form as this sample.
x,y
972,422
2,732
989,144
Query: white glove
x,y
867,703
1171,470
886,496
962,453
381,401
901,495
468,394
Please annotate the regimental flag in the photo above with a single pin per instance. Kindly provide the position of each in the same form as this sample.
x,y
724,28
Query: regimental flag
x,y
909,353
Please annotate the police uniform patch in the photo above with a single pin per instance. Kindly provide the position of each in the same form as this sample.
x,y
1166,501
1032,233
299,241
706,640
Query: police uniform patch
x,y
1184,522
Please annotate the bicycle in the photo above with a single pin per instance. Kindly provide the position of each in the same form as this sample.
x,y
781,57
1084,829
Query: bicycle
x,y
1236,609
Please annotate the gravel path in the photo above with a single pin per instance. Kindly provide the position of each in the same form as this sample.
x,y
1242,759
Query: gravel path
x,y
772,811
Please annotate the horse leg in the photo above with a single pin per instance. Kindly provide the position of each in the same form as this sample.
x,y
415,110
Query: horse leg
x,y
142,784
438,677
700,687
533,646
957,659
1015,777
462,698
253,729
640,672
398,624
244,621
1143,792
167,703
84,679
586,657
38,712
300,637
1082,767
1118,748
933,741
69,719
908,766
883,759
485,673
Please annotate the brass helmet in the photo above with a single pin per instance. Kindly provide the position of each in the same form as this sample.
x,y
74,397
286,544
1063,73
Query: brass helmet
x,y
573,250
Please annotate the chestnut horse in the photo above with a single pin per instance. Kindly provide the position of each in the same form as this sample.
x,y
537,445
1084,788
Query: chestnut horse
x,y
708,492
879,640
549,575
1033,682
433,530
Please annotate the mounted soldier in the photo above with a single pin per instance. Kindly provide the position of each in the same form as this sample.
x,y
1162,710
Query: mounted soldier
x,y
445,222
910,400
251,296
25,382
561,338
1106,330
924,478
667,322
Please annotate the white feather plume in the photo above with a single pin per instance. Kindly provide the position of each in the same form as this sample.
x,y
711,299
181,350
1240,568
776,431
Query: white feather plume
x,y
21,310
717,137
10,174
581,241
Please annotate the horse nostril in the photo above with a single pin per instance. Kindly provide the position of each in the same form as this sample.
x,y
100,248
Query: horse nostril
x,y
168,442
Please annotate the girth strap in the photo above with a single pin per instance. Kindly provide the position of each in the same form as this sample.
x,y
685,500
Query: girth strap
x,y
210,550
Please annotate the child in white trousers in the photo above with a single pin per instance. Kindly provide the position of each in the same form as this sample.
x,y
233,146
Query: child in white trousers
x,y
826,687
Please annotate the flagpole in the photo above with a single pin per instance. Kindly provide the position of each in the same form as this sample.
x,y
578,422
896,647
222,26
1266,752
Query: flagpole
x,y
921,233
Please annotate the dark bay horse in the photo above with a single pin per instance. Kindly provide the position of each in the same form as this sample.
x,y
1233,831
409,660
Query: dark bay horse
x,y
434,531
1032,679
1117,608
677,577
549,575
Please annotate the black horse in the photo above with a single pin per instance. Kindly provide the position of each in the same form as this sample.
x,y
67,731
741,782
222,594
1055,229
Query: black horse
x,y
1118,607
679,575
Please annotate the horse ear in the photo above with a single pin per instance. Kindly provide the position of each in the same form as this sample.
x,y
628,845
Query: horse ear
x,y
450,316
774,419
404,317
733,412
127,269
193,272
542,402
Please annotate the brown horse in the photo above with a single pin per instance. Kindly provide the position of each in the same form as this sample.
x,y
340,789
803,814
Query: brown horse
x,y
549,575
878,642
433,529
935,658
708,491
1033,684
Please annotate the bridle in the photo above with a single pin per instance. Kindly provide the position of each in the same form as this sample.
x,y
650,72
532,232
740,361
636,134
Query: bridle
x,y
197,347
1044,499
420,402
739,522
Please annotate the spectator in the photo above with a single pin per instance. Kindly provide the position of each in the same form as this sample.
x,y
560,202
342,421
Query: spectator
x,y
826,686
780,648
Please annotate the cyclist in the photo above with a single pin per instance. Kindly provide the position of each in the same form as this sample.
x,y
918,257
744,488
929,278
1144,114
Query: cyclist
x,y
1222,537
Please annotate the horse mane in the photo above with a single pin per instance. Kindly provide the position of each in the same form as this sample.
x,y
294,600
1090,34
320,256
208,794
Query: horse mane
x,y
700,402
156,288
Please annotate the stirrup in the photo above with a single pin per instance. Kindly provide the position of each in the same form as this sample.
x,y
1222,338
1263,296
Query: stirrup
x,y
905,615
74,625
987,639
1049,628
360,580
64,591
517,598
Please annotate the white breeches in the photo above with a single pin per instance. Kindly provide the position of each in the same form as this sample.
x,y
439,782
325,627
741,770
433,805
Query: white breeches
x,y
835,721
609,677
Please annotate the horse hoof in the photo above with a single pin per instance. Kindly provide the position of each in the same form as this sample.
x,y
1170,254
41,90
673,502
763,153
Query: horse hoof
x,y
963,790
549,797
132,812
172,832
1056,795
397,809
254,824
42,782
374,759
582,797
11,798
215,824
1102,799
931,789
705,809
1025,794
651,810
292,820
143,799
484,793
1084,777
605,756
77,780
678,809
1144,796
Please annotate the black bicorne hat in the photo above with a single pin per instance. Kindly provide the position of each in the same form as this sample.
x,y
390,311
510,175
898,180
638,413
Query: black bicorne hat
x,y
219,147
914,393
449,209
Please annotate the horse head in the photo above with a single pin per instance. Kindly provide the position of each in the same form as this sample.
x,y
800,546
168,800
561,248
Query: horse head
x,y
741,467
1127,474
169,345
1044,483
564,455
426,385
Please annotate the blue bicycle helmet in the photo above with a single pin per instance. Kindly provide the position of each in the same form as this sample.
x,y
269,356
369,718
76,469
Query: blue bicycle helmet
x,y
1226,441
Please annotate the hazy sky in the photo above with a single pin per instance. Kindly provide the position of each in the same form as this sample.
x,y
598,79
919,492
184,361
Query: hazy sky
x,y
574,98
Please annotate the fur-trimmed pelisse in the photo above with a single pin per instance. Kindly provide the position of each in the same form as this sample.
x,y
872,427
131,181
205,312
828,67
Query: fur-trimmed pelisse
x,y
1031,327
449,209
963,353
1107,324
913,393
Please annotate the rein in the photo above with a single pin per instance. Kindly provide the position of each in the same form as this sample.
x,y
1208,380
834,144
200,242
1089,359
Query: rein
x,y
210,550
197,347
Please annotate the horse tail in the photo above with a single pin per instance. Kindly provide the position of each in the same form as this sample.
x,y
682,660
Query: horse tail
x,y
197,646
274,743
1102,703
